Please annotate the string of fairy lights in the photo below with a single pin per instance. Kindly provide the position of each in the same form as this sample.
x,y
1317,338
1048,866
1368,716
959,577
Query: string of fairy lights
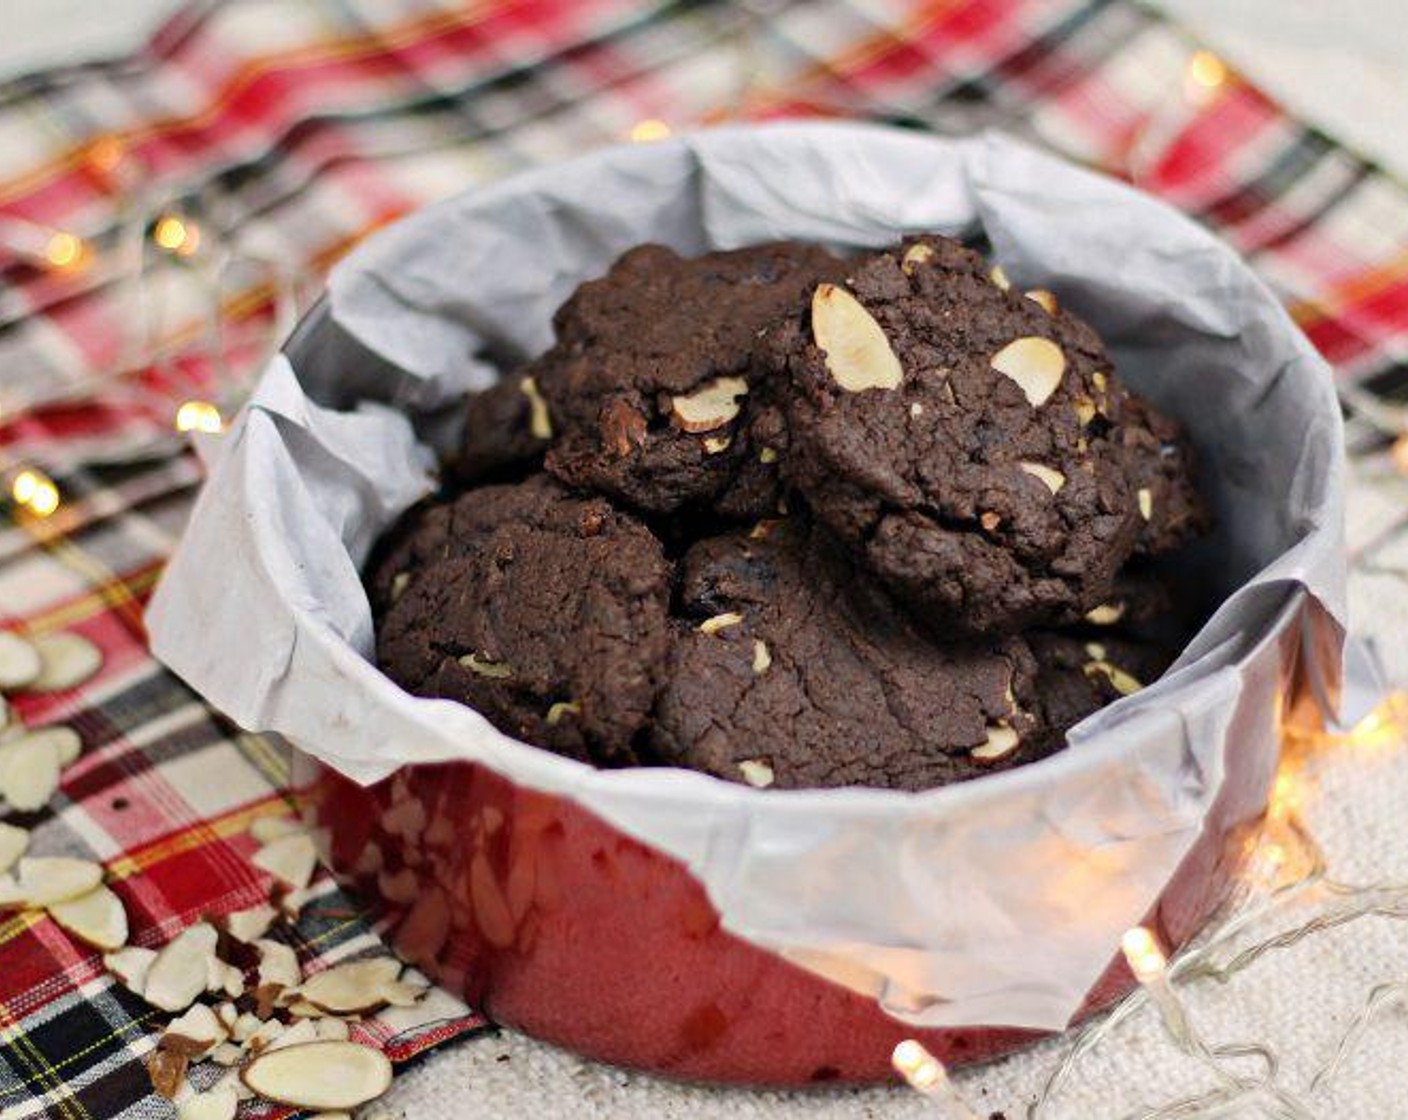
x,y
1286,864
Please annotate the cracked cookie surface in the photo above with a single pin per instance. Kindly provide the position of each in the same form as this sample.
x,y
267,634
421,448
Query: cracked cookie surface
x,y
785,671
966,442
545,611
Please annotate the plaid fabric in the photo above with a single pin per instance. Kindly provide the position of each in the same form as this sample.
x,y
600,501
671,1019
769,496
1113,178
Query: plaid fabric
x,y
288,132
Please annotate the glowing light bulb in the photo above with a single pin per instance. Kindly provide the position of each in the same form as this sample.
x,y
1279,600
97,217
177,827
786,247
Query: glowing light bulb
x,y
199,416
1400,454
1146,959
645,131
917,1066
36,492
64,251
1207,70
176,235
105,154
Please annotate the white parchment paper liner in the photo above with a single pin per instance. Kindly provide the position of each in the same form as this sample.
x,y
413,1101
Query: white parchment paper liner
x,y
993,902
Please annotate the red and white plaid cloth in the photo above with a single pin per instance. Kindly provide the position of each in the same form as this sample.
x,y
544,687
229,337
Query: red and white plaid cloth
x,y
289,131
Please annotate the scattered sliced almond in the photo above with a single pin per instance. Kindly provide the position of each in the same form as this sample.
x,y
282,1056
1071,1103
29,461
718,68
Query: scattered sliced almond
x,y
914,256
278,964
42,881
1146,503
302,1009
1052,479
30,769
223,977
355,988
251,924
1001,742
194,1033
96,918
713,445
68,660
64,739
20,663
709,407
720,622
291,859
328,1074
562,708
1121,681
13,843
130,967
1036,364
246,1026
333,1030
756,772
178,975
762,658
1095,651
1044,299
296,1034
228,1014
486,667
539,422
227,1054
167,1070
265,1035
218,1103
999,277
399,582
858,355
1106,614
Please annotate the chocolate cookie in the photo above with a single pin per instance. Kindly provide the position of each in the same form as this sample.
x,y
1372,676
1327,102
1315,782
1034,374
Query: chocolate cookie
x,y
963,440
1077,676
648,386
786,671
544,611
506,428
1161,467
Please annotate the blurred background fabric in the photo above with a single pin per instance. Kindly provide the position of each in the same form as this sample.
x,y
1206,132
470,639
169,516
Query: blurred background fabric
x,y
175,180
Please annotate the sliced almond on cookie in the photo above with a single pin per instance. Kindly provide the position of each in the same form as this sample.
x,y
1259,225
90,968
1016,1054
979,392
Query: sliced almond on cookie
x,y
96,918
1036,365
67,661
1044,299
914,256
999,277
326,1074
1052,479
1146,503
858,355
720,622
1122,682
1001,742
539,422
1106,614
482,666
762,657
757,772
562,708
709,407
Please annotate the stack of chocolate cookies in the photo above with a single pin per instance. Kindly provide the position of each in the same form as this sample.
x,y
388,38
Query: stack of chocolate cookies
x,y
799,521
